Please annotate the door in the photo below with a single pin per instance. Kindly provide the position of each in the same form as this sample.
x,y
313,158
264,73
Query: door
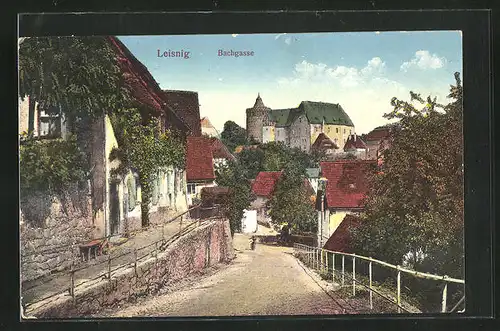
x,y
114,208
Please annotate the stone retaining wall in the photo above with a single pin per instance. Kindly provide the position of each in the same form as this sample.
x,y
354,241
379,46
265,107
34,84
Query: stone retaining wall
x,y
48,226
205,246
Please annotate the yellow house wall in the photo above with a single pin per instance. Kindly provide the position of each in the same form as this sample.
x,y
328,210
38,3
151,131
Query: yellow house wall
x,y
331,131
335,220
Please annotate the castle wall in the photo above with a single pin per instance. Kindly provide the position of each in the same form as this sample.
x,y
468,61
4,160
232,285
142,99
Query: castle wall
x,y
300,132
281,135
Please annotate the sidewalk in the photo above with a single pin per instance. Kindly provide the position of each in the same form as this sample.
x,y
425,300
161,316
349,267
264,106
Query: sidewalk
x,y
39,289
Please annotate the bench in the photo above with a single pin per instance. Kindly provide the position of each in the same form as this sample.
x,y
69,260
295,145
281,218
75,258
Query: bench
x,y
94,247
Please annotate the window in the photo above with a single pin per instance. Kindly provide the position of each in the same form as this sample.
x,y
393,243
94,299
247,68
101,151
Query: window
x,y
191,188
50,122
344,131
337,130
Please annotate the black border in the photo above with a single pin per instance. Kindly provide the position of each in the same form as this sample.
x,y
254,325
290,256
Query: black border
x,y
478,127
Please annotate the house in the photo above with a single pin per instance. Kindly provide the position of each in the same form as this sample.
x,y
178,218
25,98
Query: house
x,y
116,198
346,187
378,139
323,144
341,239
220,152
313,175
263,188
208,129
298,127
199,166
356,146
186,106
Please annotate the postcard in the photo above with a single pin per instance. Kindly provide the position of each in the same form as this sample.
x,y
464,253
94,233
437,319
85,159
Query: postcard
x,y
241,174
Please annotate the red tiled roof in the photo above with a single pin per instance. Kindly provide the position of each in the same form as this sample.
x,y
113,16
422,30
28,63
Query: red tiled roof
x,y
347,182
354,142
199,159
185,104
264,183
219,150
143,86
379,133
323,142
139,81
340,240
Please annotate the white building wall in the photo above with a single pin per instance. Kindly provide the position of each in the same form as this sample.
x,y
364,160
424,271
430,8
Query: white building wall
x,y
281,135
249,221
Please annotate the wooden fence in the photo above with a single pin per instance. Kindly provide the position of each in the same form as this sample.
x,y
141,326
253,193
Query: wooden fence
x,y
151,249
318,258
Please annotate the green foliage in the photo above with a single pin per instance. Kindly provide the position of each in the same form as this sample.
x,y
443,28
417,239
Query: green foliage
x,y
233,135
291,203
274,156
233,176
79,74
144,148
50,165
415,204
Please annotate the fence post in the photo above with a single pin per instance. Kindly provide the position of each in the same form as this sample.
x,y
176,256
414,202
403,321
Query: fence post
x,y
322,261
333,267
135,261
353,276
445,294
156,255
370,275
72,282
399,290
109,267
163,233
326,262
343,260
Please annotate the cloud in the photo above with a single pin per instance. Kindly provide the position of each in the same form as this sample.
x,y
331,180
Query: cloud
x,y
424,60
364,92
344,76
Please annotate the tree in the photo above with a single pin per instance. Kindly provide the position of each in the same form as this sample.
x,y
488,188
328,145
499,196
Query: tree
x,y
290,202
80,75
233,176
415,204
251,161
233,135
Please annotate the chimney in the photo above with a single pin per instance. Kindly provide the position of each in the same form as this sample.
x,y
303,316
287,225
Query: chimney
x,y
354,136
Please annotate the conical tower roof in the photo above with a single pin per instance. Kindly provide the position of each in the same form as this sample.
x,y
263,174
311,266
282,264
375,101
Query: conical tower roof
x,y
258,102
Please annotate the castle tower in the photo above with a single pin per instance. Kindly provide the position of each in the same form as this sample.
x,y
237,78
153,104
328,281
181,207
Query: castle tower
x,y
257,117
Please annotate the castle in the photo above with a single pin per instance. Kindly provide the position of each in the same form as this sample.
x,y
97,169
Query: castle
x,y
299,127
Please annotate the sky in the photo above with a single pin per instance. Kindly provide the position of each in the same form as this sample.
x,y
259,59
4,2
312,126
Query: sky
x,y
362,71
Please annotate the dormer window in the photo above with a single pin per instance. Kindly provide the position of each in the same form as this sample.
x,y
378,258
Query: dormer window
x,y
352,186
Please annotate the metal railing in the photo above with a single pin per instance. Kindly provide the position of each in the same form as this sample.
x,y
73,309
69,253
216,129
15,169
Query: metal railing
x,y
319,259
159,245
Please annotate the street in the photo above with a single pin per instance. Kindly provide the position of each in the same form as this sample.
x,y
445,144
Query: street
x,y
267,281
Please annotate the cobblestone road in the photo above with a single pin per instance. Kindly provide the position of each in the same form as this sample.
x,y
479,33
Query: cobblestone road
x,y
267,281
